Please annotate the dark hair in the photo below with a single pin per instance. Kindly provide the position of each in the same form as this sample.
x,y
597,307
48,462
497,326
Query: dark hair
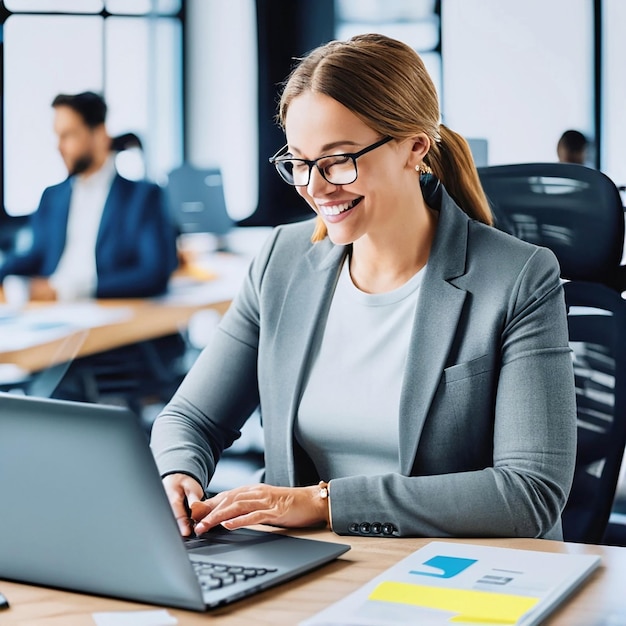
x,y
573,140
385,84
119,143
89,105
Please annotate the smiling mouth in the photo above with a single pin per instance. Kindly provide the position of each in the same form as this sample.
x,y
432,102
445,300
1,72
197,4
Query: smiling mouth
x,y
337,209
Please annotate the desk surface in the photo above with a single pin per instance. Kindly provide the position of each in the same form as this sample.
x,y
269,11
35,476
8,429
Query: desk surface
x,y
600,602
149,318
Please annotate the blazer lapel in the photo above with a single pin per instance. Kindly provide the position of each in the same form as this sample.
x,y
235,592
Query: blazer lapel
x,y
58,239
437,315
310,293
114,200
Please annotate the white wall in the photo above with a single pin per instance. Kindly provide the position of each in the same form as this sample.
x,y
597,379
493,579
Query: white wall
x,y
518,73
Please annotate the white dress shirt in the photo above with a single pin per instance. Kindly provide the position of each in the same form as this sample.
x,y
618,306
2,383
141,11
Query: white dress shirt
x,y
76,275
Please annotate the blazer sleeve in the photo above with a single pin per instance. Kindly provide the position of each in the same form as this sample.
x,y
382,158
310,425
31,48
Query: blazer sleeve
x,y
219,392
534,438
32,261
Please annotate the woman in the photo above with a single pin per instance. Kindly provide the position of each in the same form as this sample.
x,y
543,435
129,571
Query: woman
x,y
411,362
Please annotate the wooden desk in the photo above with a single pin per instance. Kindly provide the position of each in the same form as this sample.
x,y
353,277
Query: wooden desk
x,y
152,318
601,601
149,320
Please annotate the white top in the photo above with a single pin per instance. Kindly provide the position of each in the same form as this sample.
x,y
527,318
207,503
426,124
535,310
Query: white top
x,y
75,276
349,412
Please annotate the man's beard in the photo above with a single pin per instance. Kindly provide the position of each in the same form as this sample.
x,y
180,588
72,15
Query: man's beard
x,y
82,164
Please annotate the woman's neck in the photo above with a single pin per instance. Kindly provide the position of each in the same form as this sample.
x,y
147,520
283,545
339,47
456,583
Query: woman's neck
x,y
384,261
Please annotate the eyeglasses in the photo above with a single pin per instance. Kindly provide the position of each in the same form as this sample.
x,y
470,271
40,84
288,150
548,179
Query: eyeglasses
x,y
337,169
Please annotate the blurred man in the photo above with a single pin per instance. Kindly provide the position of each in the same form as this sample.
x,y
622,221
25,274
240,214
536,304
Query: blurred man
x,y
96,234
572,147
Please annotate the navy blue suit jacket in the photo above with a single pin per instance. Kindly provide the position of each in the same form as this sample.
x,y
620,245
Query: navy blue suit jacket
x,y
135,247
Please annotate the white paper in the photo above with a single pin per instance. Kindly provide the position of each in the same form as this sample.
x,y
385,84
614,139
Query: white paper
x,y
135,618
445,581
44,324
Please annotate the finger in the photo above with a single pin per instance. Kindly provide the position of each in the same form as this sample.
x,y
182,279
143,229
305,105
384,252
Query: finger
x,y
254,517
177,493
199,510
177,501
202,508
193,497
185,526
183,516
228,510
192,490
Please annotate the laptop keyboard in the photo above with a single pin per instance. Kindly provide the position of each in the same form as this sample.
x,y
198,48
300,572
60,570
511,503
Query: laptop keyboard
x,y
218,575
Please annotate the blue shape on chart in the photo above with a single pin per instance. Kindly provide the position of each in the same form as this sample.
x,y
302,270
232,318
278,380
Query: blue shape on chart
x,y
448,566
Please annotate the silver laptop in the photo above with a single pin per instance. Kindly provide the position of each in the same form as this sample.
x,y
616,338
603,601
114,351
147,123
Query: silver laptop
x,y
83,508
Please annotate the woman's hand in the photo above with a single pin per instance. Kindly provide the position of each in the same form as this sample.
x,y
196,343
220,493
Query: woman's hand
x,y
183,492
291,507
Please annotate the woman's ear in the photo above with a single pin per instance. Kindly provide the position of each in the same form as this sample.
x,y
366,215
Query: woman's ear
x,y
420,145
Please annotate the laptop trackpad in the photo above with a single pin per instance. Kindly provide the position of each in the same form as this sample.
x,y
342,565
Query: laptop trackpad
x,y
219,540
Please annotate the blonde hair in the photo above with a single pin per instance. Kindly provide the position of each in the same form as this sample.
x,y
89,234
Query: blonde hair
x,y
385,84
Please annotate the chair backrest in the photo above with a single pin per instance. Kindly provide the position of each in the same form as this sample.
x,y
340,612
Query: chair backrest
x,y
574,210
597,333
577,213
196,199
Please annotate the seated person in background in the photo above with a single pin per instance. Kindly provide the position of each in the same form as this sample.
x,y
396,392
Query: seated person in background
x,y
410,361
96,234
572,147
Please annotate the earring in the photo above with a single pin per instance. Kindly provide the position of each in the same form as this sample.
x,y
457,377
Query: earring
x,y
422,168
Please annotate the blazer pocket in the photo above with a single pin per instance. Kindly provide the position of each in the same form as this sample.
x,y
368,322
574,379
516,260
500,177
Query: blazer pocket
x,y
468,369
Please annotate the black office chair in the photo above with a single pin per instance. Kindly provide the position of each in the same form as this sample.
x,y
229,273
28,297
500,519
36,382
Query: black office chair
x,y
577,213
134,375
597,331
574,210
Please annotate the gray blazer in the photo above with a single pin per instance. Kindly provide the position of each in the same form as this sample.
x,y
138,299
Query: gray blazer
x,y
487,411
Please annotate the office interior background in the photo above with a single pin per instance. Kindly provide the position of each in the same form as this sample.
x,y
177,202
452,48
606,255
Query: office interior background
x,y
197,81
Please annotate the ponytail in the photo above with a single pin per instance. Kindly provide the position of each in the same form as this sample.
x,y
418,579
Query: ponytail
x,y
451,161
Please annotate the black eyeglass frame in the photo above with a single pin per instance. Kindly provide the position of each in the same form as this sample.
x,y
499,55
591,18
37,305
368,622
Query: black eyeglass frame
x,y
277,158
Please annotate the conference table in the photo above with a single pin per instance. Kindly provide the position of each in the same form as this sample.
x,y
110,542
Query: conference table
x,y
122,322
600,601
145,320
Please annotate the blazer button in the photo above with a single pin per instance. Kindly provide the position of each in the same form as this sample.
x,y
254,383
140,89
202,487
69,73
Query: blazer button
x,y
377,528
353,528
388,528
364,528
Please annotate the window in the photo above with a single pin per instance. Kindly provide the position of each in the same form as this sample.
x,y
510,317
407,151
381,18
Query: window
x,y
415,22
613,157
128,50
222,100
